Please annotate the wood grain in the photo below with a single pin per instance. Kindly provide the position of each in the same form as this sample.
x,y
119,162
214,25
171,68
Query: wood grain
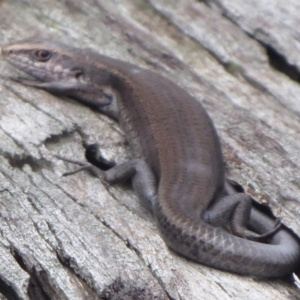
x,y
70,238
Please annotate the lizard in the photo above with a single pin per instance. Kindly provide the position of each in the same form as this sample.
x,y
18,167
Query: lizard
x,y
177,162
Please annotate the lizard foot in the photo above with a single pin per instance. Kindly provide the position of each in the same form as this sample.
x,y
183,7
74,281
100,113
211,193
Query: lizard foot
x,y
83,166
250,235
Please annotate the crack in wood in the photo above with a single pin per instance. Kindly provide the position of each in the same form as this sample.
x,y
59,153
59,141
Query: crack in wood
x,y
276,59
39,286
8,291
36,164
125,290
130,246
279,62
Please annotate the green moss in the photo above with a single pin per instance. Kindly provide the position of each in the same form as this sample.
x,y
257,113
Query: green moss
x,y
232,68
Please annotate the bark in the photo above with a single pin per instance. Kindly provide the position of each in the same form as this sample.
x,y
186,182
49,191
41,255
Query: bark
x,y
71,238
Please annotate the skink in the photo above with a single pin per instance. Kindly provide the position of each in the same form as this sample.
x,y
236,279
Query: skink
x,y
177,163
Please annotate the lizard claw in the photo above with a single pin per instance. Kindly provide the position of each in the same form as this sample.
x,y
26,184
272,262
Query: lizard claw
x,y
69,160
83,166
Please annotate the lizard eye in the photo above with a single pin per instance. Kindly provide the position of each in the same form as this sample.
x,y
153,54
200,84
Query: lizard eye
x,y
42,55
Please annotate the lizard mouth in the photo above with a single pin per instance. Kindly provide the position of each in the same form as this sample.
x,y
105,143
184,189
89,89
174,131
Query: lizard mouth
x,y
28,82
70,87
32,83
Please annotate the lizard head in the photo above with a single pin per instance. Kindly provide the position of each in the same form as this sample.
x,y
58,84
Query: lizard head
x,y
62,69
45,60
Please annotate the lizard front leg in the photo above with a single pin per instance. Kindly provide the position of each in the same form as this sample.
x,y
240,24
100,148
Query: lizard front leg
x,y
143,179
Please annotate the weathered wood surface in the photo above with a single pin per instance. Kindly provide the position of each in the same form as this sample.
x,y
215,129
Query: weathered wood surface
x,y
70,238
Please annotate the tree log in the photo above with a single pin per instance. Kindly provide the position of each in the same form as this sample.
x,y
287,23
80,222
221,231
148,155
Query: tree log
x,y
70,237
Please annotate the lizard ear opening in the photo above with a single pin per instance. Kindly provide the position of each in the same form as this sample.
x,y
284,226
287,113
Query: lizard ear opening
x,y
77,72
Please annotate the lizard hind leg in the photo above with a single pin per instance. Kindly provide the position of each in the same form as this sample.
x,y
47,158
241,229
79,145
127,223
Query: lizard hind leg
x,y
233,212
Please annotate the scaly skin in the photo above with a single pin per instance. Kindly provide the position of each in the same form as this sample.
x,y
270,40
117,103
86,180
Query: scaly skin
x,y
178,163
